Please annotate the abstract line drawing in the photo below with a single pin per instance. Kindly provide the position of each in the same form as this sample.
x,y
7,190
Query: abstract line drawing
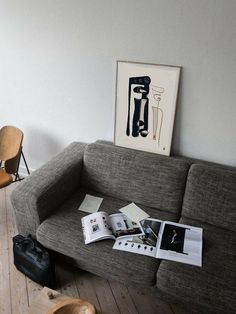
x,y
157,113
138,99
146,97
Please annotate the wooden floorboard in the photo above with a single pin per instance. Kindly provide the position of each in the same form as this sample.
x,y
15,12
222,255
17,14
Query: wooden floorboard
x,y
66,280
18,288
109,297
123,299
5,299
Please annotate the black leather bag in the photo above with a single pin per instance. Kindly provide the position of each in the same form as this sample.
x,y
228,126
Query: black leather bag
x,y
33,260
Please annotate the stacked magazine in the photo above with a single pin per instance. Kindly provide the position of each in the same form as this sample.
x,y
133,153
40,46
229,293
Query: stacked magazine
x,y
151,237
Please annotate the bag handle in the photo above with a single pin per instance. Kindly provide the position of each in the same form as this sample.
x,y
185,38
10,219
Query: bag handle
x,y
20,239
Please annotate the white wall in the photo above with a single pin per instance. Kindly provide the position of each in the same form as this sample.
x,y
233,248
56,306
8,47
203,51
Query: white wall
x,y
57,69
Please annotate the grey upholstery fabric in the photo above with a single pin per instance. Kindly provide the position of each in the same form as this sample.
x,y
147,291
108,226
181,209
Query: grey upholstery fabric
x,y
46,188
211,287
62,233
49,198
132,175
210,196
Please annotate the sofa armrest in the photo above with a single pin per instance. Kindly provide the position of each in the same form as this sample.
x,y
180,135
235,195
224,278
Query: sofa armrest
x,y
46,188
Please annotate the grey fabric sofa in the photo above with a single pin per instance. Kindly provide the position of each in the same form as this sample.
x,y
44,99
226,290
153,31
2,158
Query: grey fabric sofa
x,y
169,188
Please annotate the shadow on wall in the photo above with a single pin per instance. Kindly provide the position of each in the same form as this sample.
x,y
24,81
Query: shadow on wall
x,y
177,131
41,147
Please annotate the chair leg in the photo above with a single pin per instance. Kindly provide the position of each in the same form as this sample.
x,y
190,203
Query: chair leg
x,y
17,176
25,162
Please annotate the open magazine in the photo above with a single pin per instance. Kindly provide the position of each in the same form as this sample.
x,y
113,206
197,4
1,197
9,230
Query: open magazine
x,y
166,240
100,226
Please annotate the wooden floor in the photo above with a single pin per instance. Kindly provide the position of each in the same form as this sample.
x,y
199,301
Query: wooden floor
x,y
17,292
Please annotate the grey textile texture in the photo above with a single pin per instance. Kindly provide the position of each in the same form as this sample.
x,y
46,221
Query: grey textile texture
x,y
49,198
146,178
210,196
62,232
211,287
40,193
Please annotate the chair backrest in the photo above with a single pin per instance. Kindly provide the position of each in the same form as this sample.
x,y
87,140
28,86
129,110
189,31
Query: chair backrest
x,y
10,142
11,165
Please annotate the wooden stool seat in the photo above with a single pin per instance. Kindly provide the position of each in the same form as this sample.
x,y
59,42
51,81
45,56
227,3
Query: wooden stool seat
x,y
52,302
72,306
5,178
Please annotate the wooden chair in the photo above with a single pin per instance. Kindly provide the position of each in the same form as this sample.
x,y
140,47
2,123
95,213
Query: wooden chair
x,y
10,153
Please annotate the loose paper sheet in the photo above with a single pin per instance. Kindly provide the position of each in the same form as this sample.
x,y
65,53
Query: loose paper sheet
x,y
134,213
90,204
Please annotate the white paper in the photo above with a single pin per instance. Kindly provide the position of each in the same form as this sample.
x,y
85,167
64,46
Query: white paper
x,y
90,204
134,213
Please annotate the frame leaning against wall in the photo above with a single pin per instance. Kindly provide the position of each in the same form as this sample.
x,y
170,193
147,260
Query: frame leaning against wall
x,y
146,96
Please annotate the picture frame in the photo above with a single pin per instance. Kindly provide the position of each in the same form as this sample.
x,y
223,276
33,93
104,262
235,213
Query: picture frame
x,y
146,97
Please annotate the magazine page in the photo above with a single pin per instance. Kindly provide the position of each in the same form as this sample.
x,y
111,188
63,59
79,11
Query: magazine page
x,y
146,243
96,227
122,226
180,243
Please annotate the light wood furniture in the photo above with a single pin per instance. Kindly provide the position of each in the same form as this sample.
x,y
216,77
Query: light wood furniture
x,y
52,302
10,151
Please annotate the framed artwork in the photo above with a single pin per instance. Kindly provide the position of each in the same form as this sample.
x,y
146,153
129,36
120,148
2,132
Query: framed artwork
x,y
146,96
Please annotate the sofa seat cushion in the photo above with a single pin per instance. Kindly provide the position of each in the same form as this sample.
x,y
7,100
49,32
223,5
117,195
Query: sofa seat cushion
x,y
62,232
211,286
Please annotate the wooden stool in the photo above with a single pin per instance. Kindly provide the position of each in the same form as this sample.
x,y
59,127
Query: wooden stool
x,y
52,302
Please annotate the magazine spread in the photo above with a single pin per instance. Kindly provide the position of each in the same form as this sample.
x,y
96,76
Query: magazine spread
x,y
166,240
100,226
151,237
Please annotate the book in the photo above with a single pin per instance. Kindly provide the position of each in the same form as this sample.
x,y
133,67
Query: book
x,y
166,240
100,226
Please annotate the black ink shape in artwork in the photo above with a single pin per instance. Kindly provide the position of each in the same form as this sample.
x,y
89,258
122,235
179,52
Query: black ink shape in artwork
x,y
138,97
173,239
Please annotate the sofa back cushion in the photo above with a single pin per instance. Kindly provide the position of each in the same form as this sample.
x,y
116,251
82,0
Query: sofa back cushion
x,y
145,178
210,195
